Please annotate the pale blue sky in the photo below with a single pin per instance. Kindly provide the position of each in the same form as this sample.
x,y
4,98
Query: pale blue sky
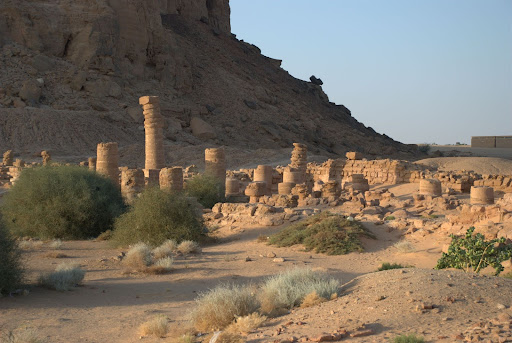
x,y
417,70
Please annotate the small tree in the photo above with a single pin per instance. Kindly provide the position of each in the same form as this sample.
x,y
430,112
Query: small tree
x,y
473,252
66,202
11,272
157,216
206,188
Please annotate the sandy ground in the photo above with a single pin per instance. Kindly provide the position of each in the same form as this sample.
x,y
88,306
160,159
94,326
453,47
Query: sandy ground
x,y
480,165
467,150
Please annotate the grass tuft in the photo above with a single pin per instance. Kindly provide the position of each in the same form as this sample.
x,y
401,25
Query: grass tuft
x,y
158,326
189,247
64,278
404,246
312,299
246,324
388,266
166,249
324,233
139,256
20,336
411,338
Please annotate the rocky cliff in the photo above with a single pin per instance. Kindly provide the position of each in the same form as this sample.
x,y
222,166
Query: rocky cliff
x,y
71,72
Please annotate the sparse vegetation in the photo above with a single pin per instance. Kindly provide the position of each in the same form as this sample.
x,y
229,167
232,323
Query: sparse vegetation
x,y
246,324
206,188
411,338
388,266
55,244
61,202
388,218
217,308
312,299
20,336
139,256
166,249
288,289
424,148
404,246
157,216
158,326
11,270
323,233
473,252
189,247
64,278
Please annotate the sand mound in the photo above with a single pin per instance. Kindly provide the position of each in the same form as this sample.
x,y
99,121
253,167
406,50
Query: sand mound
x,y
438,305
481,165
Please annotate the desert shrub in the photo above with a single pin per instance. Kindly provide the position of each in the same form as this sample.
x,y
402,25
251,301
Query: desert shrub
x,y
63,202
288,289
312,299
189,247
20,336
388,218
161,266
324,233
157,216
473,252
424,148
166,249
11,271
55,244
207,189
225,337
388,266
64,277
139,256
404,246
246,324
158,326
219,307
408,339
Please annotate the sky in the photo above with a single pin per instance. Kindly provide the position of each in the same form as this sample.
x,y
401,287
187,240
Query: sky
x,y
420,71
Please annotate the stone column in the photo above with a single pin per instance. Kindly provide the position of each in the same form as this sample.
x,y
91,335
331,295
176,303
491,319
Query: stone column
x,y
132,183
153,127
107,162
255,190
152,177
232,187
285,188
215,163
91,161
8,157
47,157
482,195
430,187
171,179
299,159
264,174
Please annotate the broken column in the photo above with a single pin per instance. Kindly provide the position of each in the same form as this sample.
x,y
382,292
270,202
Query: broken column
x,y
91,161
232,187
132,183
255,190
430,187
265,174
46,157
215,163
107,161
482,195
331,189
8,157
285,188
171,179
153,127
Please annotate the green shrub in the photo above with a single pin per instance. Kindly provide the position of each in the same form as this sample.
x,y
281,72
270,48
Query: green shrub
x,y
324,233
219,307
424,148
408,339
388,266
288,289
64,278
207,189
473,252
11,271
62,202
388,218
157,216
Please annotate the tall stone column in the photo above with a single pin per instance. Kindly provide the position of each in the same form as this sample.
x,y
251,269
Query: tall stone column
x,y
264,173
215,163
92,163
107,161
153,127
171,179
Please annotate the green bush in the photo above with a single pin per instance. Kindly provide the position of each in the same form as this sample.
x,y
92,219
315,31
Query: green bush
x,y
11,271
324,233
473,252
61,202
157,216
388,266
207,189
408,339
424,148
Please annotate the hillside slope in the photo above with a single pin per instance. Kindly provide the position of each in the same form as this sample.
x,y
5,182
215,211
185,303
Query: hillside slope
x,y
71,73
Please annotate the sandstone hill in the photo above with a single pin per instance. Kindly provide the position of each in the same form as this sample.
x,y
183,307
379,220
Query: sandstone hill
x,y
71,73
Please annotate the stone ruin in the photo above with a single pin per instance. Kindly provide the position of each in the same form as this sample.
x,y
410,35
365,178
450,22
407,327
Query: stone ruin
x,y
107,160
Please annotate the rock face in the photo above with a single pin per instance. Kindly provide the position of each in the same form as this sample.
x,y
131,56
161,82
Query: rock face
x,y
88,62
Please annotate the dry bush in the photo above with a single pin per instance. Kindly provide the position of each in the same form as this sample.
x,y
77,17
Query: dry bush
x,y
217,308
139,256
224,337
161,266
64,277
289,288
55,254
165,250
405,246
189,247
55,244
246,324
312,299
157,326
20,336
29,244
